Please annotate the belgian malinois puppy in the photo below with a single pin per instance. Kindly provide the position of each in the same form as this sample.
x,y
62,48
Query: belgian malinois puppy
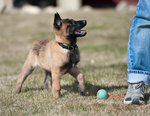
x,y
57,56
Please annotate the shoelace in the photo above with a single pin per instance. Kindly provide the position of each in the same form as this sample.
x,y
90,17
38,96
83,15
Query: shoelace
x,y
139,85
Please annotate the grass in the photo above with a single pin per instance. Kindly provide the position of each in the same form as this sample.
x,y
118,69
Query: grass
x,y
103,62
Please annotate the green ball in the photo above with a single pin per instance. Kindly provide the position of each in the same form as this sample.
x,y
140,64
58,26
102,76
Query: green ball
x,y
102,94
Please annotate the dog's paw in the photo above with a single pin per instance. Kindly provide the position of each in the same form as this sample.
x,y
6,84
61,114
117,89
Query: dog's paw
x,y
81,90
17,90
56,94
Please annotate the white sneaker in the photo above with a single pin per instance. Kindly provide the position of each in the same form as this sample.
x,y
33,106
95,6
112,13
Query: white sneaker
x,y
135,94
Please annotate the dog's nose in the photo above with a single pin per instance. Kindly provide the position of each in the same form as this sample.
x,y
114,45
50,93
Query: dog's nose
x,y
85,22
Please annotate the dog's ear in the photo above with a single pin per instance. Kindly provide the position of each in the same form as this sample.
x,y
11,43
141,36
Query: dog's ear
x,y
57,21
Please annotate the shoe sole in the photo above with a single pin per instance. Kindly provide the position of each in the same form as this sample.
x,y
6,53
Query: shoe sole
x,y
135,101
127,102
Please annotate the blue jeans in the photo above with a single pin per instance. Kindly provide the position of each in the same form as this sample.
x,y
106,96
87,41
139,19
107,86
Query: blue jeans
x,y
138,54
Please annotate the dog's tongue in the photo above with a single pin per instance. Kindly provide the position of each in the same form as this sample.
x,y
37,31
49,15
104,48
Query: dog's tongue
x,y
82,32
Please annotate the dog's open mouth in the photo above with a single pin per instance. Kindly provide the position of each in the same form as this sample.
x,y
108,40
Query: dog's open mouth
x,y
80,32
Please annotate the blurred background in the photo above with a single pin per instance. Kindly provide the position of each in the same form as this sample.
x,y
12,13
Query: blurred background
x,y
72,5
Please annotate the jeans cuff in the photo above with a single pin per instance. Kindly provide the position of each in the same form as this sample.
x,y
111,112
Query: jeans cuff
x,y
136,76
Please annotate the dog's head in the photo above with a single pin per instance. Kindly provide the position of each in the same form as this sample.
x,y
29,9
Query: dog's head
x,y
69,28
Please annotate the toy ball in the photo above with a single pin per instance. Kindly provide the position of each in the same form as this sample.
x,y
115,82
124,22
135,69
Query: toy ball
x,y
102,94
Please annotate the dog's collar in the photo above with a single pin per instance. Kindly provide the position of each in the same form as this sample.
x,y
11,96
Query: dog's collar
x,y
71,48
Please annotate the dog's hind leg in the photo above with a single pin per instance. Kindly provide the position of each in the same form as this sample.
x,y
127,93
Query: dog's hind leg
x,y
27,69
48,81
75,72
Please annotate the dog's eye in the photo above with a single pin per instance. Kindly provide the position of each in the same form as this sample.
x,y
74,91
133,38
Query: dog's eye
x,y
69,24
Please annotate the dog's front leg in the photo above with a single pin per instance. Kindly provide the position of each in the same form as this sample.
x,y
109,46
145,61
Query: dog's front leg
x,y
75,72
56,83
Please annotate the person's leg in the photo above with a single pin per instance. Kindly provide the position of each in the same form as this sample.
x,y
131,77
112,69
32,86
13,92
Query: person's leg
x,y
138,54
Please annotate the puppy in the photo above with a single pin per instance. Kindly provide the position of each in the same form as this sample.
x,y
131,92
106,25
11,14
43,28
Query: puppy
x,y
57,56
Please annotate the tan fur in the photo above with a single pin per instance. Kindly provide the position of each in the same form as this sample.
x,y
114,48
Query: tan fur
x,y
51,57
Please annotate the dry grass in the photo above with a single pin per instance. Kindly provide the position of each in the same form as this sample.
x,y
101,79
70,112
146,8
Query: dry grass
x,y
103,62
